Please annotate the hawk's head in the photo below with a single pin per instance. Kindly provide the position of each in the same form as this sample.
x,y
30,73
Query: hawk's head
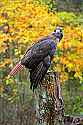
x,y
58,33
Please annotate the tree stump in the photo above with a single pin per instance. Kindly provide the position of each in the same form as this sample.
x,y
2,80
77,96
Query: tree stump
x,y
48,101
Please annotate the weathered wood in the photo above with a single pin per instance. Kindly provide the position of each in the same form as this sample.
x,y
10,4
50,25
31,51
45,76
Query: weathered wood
x,y
48,101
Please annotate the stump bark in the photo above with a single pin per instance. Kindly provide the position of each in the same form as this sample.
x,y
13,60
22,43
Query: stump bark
x,y
48,101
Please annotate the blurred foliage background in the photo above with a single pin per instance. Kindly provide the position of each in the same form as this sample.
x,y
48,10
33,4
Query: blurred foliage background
x,y
21,24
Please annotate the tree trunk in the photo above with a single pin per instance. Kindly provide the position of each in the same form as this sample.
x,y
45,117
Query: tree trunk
x,y
48,101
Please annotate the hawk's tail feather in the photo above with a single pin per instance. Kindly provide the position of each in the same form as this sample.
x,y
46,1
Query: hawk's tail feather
x,y
17,68
37,75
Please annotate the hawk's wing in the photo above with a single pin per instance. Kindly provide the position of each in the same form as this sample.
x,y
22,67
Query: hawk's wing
x,y
36,53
